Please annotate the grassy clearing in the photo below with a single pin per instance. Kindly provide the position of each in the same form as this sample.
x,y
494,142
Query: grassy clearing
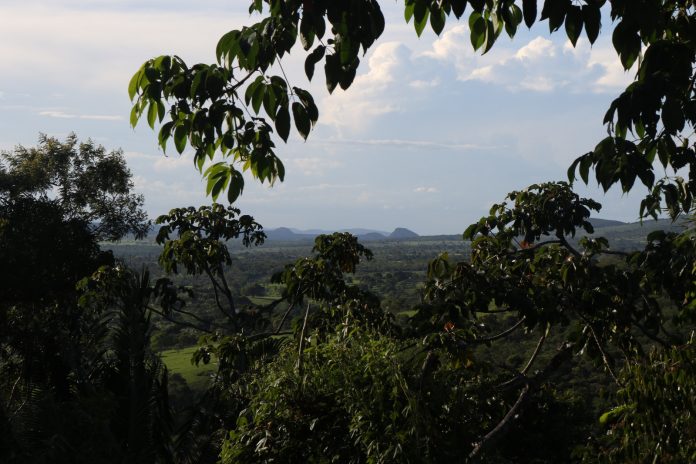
x,y
179,362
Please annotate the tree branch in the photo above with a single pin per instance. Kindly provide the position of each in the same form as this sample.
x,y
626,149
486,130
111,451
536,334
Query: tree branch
x,y
567,245
498,432
301,347
174,321
500,335
540,343
494,435
605,357
282,321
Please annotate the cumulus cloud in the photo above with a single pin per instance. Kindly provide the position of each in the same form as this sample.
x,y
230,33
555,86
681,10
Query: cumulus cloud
x,y
540,65
370,95
425,190
398,80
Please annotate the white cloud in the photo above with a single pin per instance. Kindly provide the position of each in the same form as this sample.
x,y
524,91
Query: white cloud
x,y
425,190
100,48
536,49
408,143
371,94
94,117
422,84
327,186
315,166
540,65
174,163
57,114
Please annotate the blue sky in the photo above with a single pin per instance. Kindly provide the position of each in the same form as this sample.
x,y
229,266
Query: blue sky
x,y
428,137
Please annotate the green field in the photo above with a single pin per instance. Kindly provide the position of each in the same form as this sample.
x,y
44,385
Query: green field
x,y
179,362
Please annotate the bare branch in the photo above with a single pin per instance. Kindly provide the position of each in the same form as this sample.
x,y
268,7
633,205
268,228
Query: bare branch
x,y
301,347
174,321
494,436
282,321
534,354
605,358
503,334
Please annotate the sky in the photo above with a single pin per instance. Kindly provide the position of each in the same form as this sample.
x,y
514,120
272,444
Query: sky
x,y
428,137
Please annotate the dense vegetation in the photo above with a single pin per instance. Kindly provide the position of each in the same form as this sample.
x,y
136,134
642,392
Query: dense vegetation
x,y
539,341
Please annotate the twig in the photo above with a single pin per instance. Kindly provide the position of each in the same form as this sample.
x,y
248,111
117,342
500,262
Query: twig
x,y
605,357
535,354
282,321
243,80
301,347
494,435
500,335
498,432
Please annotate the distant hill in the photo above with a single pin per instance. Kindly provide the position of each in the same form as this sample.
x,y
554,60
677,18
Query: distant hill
x,y
283,234
402,233
371,237
357,231
599,223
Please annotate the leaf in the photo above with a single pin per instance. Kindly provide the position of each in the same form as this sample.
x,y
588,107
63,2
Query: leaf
x,y
302,123
420,15
458,7
408,11
219,184
282,122
529,10
257,97
672,116
627,43
491,36
236,185
571,170
134,84
332,71
573,24
593,21
312,59
477,25
152,114
585,168
308,102
135,114
437,19
270,104
555,12
306,32
180,135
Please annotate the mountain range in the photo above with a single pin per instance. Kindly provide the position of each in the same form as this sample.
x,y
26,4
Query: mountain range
x,y
287,234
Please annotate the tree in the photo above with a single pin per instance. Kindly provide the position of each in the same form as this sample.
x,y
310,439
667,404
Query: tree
x,y
524,261
57,201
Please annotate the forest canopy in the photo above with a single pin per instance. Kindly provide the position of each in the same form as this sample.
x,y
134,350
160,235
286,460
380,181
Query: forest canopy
x,y
546,343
